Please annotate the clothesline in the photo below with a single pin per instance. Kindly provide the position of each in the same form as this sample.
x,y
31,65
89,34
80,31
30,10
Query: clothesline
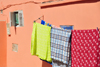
x,y
39,18
48,23
60,25
45,22
66,48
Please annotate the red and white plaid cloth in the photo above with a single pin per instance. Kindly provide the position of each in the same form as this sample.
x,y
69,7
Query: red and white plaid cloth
x,y
85,48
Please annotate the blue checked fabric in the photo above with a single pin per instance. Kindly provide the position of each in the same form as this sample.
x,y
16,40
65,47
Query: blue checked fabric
x,y
56,63
60,45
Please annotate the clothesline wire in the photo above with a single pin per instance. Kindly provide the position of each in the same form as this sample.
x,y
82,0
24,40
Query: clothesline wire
x,y
39,18
43,19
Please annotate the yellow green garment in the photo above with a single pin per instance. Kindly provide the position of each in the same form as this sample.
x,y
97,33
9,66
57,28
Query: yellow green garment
x,y
40,42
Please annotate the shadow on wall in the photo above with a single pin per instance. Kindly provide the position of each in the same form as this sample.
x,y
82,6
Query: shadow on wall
x,y
71,3
45,64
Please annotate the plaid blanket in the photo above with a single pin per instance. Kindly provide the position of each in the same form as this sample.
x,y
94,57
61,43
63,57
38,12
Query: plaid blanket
x,y
56,63
60,46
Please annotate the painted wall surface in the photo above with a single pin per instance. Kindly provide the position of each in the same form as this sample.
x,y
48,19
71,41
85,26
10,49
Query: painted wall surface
x,y
3,44
81,15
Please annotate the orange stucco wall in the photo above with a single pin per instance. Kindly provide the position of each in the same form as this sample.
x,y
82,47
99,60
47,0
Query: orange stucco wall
x,y
81,15
3,44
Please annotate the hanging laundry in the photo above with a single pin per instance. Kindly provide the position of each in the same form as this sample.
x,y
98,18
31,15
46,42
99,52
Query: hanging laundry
x,y
40,42
69,65
50,25
60,46
43,22
98,62
98,59
47,24
56,63
98,55
85,48
68,28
